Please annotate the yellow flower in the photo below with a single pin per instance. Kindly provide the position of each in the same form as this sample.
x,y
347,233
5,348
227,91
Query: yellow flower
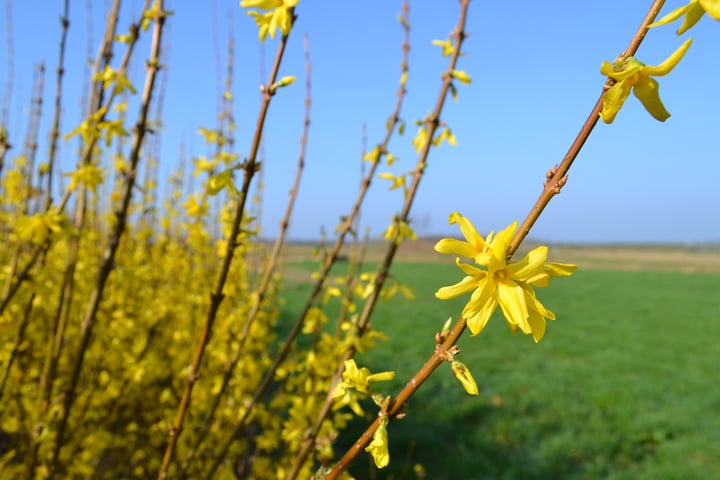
x,y
360,378
89,175
267,4
37,227
462,373
499,283
631,74
446,45
399,231
397,181
378,448
693,12
279,16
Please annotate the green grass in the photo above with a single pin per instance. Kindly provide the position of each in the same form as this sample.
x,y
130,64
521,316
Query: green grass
x,y
624,385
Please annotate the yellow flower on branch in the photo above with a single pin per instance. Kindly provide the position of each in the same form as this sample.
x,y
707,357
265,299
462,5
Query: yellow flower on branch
x,y
693,12
279,16
397,181
37,227
378,448
89,175
500,283
398,231
462,373
631,74
446,45
360,378
461,76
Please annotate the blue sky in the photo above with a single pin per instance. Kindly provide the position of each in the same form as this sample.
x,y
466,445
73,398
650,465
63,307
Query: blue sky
x,y
535,69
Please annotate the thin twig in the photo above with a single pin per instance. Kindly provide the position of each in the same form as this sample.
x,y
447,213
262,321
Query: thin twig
x,y
216,297
329,260
449,341
557,176
268,272
107,262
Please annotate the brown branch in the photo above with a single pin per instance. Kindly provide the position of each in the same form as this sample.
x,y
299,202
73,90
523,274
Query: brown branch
x,y
431,124
268,271
557,176
4,136
89,147
451,339
55,131
216,297
329,260
107,261
28,170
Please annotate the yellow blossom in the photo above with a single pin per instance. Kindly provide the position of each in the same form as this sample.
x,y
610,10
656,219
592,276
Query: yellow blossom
x,y
196,206
279,16
378,448
446,45
398,232
500,283
360,378
420,139
37,227
283,82
631,74
461,75
397,181
373,155
462,373
89,175
693,12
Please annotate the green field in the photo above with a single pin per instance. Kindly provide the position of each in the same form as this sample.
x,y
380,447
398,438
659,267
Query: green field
x,y
624,385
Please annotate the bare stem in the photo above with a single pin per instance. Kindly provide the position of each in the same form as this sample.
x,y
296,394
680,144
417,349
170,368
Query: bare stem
x,y
55,132
107,261
268,271
4,136
216,297
89,147
451,339
557,176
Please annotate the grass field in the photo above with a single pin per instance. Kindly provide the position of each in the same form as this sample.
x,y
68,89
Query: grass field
x,y
624,385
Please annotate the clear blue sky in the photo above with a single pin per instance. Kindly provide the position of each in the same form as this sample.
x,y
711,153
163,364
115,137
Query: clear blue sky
x,y
535,69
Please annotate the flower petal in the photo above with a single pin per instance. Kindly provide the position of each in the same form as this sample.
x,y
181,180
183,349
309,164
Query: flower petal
x,y
537,325
694,14
559,269
648,92
530,265
512,302
457,247
613,101
499,246
712,7
470,270
476,321
463,286
672,16
468,230
378,447
630,66
669,63
534,304
485,290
